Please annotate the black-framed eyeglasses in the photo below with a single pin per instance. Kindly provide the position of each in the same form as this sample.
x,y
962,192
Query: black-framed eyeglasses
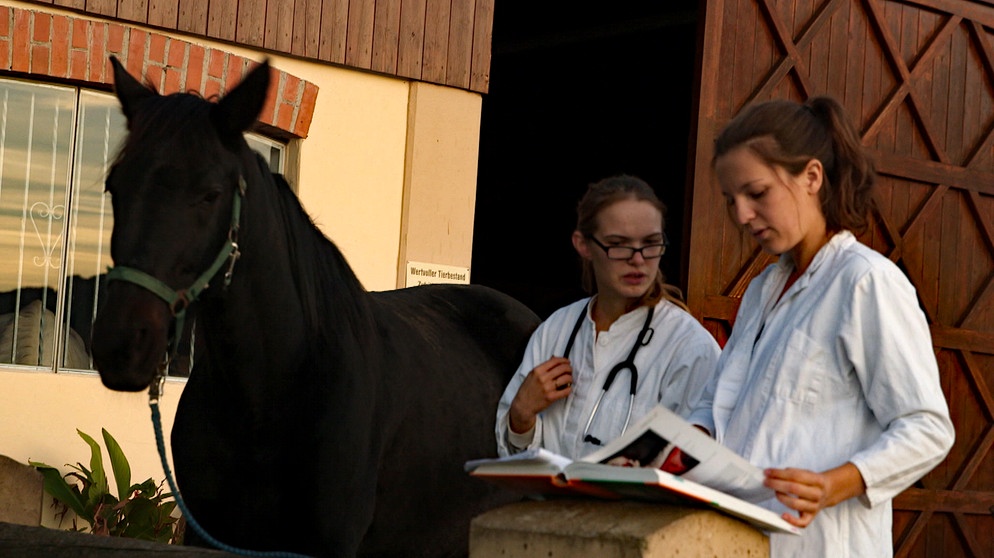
x,y
649,251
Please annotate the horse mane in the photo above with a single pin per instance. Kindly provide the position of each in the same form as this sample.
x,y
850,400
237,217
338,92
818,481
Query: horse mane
x,y
324,279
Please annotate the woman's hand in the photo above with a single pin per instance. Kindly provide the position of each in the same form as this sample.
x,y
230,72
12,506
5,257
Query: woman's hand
x,y
546,383
808,492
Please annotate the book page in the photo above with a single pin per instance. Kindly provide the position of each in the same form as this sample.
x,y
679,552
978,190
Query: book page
x,y
651,443
654,485
538,460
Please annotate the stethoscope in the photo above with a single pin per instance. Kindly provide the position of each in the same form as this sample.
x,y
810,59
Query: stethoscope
x,y
642,340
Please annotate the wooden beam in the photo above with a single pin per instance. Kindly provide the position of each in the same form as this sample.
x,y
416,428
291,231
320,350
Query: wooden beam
x,y
945,501
934,172
946,337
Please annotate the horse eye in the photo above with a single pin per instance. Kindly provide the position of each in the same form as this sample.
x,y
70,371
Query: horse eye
x,y
212,196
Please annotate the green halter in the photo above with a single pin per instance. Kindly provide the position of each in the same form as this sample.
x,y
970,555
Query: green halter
x,y
180,300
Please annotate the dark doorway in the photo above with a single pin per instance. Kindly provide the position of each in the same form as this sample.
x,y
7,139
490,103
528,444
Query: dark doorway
x,y
576,96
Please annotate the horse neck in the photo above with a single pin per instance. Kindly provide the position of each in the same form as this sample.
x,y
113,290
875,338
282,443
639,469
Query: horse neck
x,y
292,294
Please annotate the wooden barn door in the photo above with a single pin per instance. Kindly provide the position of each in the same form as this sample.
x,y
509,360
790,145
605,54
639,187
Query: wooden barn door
x,y
918,76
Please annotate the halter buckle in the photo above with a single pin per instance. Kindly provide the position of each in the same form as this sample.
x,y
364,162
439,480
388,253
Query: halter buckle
x,y
235,254
158,384
180,304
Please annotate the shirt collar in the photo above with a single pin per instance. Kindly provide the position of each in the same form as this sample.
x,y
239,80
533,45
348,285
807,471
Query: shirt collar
x,y
632,315
836,244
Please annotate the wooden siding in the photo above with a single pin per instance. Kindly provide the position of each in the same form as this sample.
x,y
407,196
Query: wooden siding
x,y
439,41
918,77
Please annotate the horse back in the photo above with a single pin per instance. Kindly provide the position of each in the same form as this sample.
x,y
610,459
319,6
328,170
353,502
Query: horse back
x,y
498,323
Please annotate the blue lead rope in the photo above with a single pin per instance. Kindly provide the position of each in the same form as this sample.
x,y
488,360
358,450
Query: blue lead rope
x,y
160,443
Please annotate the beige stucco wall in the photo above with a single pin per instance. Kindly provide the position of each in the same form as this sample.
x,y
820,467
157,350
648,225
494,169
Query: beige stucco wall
x,y
41,411
440,196
388,172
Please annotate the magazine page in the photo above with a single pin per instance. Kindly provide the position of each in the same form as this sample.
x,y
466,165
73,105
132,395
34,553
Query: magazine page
x,y
651,443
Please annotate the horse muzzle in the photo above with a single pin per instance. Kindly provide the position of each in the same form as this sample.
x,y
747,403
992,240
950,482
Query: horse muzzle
x,y
130,337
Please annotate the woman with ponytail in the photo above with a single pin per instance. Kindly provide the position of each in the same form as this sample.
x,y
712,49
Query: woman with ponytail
x,y
561,398
828,380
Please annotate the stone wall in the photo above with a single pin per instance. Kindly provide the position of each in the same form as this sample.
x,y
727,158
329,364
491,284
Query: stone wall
x,y
21,493
570,528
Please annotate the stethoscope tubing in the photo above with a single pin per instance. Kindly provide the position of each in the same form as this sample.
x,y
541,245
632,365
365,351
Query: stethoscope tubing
x,y
644,336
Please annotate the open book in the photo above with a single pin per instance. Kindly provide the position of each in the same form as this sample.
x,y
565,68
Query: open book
x,y
706,473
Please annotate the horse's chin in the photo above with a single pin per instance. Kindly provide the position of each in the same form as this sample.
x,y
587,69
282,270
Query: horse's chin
x,y
118,382
130,374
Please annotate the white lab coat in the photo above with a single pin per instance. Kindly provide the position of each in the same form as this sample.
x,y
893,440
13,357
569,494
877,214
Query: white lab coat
x,y
842,371
673,369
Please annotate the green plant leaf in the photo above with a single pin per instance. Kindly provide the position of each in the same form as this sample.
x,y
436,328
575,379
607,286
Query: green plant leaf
x,y
96,473
119,464
58,488
143,517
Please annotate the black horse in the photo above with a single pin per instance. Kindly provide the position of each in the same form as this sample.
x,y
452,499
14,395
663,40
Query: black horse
x,y
324,419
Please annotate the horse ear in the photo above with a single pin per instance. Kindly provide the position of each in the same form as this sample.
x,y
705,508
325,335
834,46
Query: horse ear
x,y
237,111
128,90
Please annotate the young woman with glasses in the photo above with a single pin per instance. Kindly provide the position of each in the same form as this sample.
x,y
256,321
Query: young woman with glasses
x,y
599,364
829,379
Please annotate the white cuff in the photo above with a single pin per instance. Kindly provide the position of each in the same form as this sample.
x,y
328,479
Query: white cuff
x,y
519,441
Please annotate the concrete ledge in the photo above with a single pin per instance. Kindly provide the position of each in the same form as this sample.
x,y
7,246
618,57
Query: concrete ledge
x,y
21,541
21,493
566,528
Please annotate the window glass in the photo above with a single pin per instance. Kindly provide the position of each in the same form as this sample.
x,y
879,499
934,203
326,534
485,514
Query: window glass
x,y
270,150
100,131
36,131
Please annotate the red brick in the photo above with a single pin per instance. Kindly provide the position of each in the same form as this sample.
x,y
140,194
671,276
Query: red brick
x,y
211,87
236,69
177,52
21,49
305,112
172,84
42,27
267,114
79,33
98,56
40,58
195,69
115,38
4,21
77,64
136,51
60,46
157,48
285,117
4,54
291,89
153,76
215,67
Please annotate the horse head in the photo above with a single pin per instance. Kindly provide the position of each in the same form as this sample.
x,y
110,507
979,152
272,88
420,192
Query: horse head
x,y
176,189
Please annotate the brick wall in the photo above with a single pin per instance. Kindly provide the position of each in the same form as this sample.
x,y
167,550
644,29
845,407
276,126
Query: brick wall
x,y
69,47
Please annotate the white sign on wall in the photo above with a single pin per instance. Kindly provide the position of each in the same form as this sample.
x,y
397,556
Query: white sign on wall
x,y
419,273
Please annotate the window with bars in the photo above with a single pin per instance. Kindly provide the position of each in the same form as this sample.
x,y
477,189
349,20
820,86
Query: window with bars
x,y
56,144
